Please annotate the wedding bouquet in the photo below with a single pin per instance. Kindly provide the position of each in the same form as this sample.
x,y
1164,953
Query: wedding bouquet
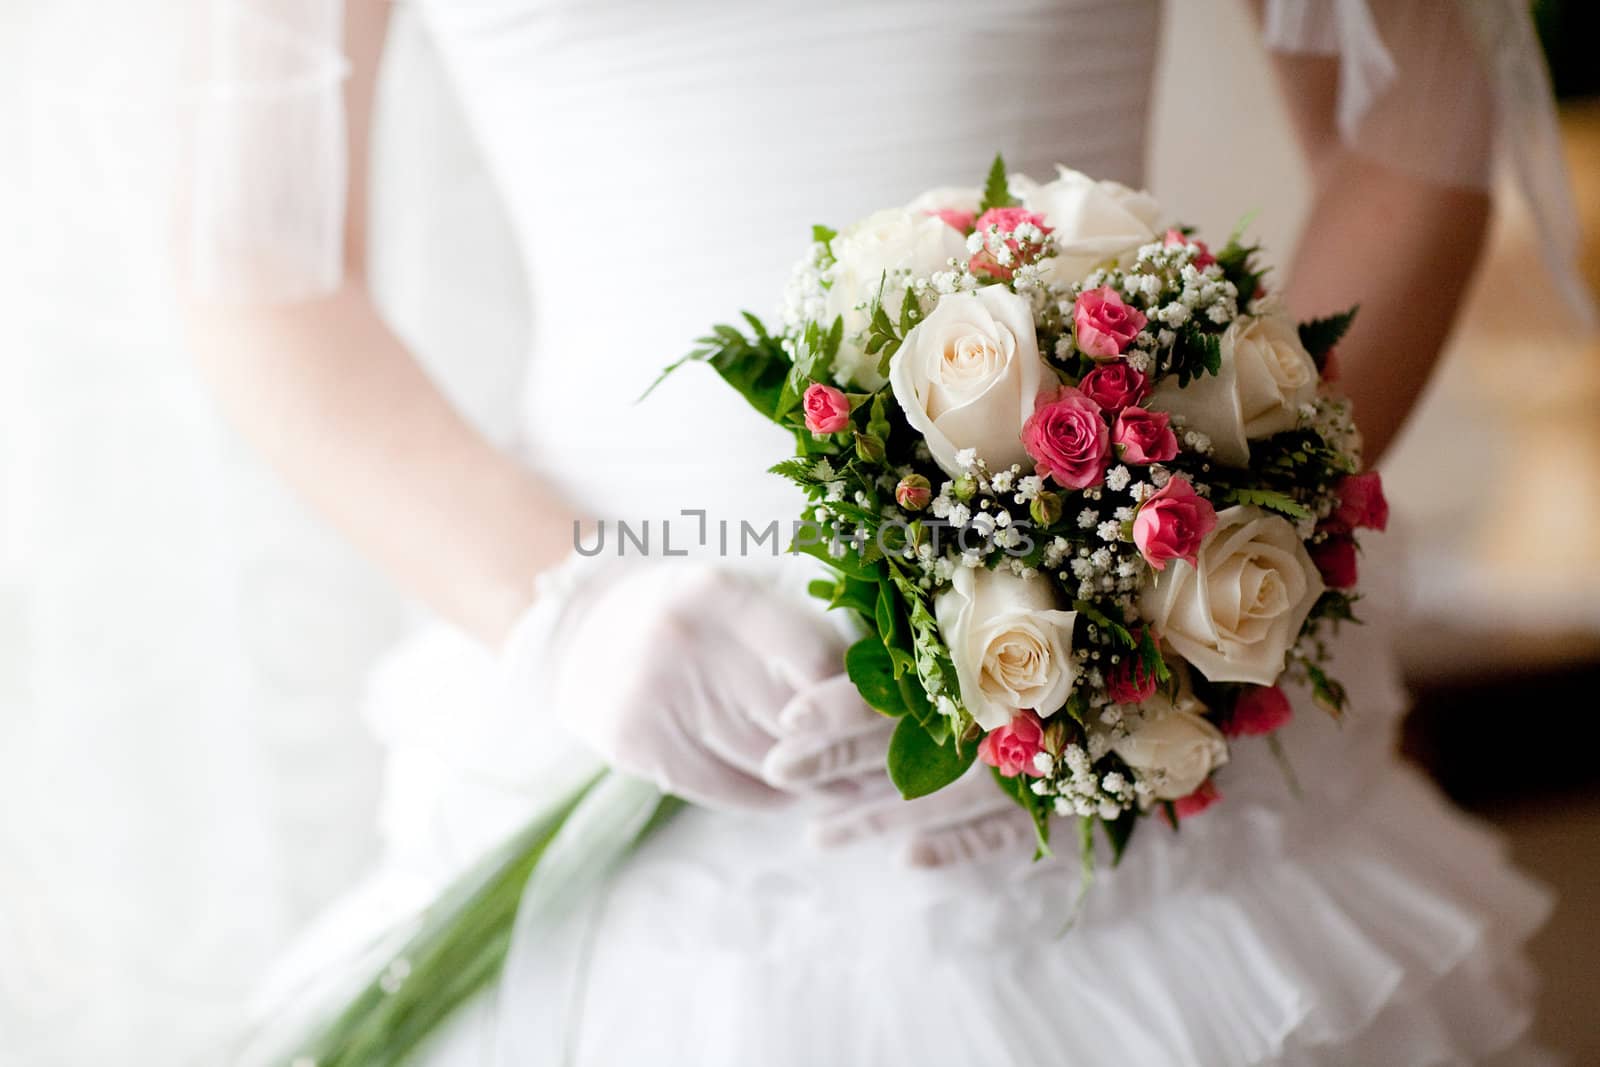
x,y
1075,477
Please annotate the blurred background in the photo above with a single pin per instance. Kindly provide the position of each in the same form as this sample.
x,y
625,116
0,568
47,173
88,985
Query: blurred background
x,y
185,774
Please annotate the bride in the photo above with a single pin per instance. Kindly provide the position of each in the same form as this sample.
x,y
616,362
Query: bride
x,y
657,163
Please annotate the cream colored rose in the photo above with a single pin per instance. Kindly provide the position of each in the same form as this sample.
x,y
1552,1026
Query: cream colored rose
x,y
1171,745
1235,613
888,245
967,376
1094,222
962,199
1011,645
1266,376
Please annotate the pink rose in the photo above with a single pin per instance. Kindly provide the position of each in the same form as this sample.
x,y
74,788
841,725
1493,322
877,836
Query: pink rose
x,y
1144,437
1068,438
957,220
1011,748
1260,709
1361,505
1173,523
1203,260
1129,682
1006,220
1336,559
1115,386
1105,325
827,409
1198,801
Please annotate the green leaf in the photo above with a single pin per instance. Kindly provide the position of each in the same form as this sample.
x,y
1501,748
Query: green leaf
x,y
757,367
1150,658
1118,831
1237,261
869,667
823,235
997,189
1194,353
454,948
1271,499
823,589
910,313
1105,622
848,564
1037,808
1320,335
1328,694
1336,605
918,765
886,616
878,420
855,594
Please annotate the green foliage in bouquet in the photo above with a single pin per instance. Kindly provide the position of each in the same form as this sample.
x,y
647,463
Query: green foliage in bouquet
x,y
872,479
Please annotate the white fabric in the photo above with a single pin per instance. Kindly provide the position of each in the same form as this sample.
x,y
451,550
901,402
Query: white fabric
x,y
224,122
185,780
1363,923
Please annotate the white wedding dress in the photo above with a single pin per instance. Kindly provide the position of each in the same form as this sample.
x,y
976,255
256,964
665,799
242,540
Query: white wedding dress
x,y
661,163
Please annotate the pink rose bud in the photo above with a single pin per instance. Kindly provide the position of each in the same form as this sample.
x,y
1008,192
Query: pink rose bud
x,y
913,493
1068,438
1203,260
1011,749
1129,682
1260,709
1105,325
1361,505
1336,559
1006,220
827,409
1144,437
1115,386
1198,801
1173,524
959,221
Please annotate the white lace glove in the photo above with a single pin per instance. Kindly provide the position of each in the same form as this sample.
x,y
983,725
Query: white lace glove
x,y
683,674
967,822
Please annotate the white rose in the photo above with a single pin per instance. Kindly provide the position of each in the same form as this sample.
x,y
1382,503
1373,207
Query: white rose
x,y
967,376
1236,613
962,198
1172,745
890,242
1266,376
1011,646
1093,222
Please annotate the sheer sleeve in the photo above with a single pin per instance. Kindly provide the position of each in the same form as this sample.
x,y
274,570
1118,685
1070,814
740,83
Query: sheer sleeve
x,y
199,142
1443,90
262,157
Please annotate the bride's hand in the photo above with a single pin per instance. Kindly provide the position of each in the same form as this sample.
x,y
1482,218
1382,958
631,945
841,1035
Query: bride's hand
x,y
967,822
829,730
681,674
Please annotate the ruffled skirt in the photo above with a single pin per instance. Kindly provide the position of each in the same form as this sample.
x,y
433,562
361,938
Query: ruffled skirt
x,y
1357,920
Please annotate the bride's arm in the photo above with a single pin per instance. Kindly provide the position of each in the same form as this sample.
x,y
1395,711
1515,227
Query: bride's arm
x,y
1402,247
344,411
